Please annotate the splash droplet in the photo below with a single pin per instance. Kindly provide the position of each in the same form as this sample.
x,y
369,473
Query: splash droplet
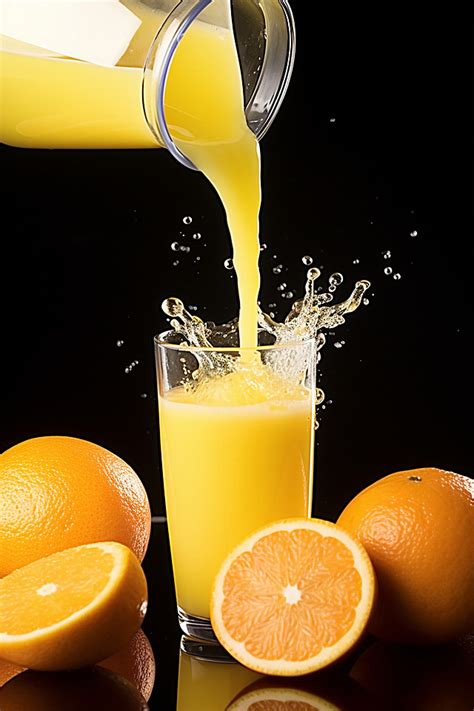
x,y
278,269
313,273
229,264
197,235
281,287
307,260
397,277
175,246
173,307
176,262
263,247
387,254
356,261
187,220
413,233
366,302
143,396
336,279
388,271
120,344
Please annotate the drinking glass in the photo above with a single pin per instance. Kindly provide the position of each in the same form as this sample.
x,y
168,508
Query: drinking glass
x,y
236,455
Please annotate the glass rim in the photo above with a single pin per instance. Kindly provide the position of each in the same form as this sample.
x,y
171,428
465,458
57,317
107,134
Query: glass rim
x,y
228,349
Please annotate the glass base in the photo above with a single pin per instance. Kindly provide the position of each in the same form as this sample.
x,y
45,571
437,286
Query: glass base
x,y
197,627
205,651
199,639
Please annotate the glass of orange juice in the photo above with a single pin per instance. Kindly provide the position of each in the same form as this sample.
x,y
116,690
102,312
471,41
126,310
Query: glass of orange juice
x,y
237,446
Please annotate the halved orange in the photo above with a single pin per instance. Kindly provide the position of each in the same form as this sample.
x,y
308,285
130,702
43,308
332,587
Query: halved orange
x,y
71,608
293,597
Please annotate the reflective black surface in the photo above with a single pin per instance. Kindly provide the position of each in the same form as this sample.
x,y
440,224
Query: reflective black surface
x,y
374,677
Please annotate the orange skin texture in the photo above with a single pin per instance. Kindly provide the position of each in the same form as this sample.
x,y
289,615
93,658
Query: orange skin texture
x,y
136,663
62,492
8,670
417,527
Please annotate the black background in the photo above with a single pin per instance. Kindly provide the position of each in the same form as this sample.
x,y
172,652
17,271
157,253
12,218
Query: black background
x,y
86,262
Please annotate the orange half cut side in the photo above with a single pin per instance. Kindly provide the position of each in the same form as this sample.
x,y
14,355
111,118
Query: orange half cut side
x,y
293,597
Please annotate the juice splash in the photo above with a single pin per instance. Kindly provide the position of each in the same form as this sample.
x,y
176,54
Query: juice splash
x,y
308,318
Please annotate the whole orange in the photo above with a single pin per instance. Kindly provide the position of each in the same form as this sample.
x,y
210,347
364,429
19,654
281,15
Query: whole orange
x,y
417,527
60,492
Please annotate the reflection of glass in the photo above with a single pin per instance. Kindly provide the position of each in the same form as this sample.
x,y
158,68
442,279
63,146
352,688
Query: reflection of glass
x,y
209,686
237,454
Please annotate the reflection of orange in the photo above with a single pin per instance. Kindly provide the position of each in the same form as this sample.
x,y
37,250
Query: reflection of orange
x,y
281,699
71,608
136,663
321,691
81,690
60,492
7,671
417,527
293,597
422,679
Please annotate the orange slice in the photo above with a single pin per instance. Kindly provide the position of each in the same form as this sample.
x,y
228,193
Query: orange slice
x,y
71,608
293,597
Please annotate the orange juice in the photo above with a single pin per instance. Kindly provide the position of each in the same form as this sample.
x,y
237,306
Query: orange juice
x,y
231,463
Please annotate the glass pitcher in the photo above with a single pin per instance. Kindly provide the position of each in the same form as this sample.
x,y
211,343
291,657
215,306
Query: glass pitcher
x,y
93,73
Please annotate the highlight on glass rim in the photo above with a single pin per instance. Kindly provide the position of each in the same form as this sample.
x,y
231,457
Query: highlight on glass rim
x,y
248,574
